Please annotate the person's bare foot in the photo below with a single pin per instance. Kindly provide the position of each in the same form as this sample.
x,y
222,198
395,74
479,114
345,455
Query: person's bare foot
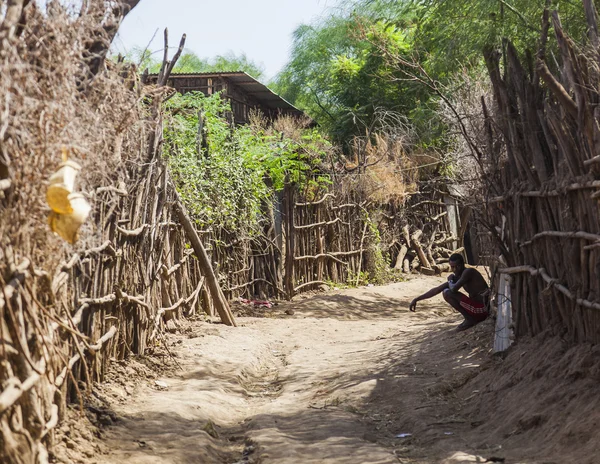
x,y
466,324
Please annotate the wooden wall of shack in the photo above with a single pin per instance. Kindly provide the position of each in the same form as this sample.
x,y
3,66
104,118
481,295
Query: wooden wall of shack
x,y
242,104
548,177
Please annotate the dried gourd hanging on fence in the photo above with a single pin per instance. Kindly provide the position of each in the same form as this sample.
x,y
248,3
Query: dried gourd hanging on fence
x,y
69,209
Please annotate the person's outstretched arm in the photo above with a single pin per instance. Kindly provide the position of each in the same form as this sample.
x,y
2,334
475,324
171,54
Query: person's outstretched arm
x,y
431,293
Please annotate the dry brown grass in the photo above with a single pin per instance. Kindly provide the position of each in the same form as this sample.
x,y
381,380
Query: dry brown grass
x,y
48,103
381,170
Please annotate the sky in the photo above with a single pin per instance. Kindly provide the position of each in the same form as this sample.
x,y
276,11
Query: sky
x,y
262,29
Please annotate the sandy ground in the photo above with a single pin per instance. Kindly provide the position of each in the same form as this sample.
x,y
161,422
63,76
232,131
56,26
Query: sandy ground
x,y
350,377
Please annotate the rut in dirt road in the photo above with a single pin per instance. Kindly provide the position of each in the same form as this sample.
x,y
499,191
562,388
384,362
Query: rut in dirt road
x,y
338,382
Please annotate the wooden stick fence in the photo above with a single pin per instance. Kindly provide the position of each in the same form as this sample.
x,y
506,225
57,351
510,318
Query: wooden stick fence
x,y
550,183
59,327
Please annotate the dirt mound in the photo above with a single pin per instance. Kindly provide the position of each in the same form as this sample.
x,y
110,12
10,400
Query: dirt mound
x,y
541,400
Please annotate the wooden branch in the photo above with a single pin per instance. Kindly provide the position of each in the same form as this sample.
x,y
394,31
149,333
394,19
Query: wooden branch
x,y
170,271
76,318
551,282
318,202
400,257
62,276
179,304
346,205
19,276
555,233
162,311
12,16
589,162
428,202
204,262
134,232
360,255
317,224
518,270
459,250
131,299
99,44
13,388
98,301
175,58
106,246
290,237
58,381
520,16
585,185
107,336
406,235
406,264
592,21
70,322
52,422
112,189
444,240
550,193
331,255
307,284
160,81
195,293
417,246
174,307
543,43
68,266
167,66
170,224
557,89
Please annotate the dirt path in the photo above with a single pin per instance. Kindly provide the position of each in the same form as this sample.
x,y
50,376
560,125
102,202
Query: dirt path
x,y
351,376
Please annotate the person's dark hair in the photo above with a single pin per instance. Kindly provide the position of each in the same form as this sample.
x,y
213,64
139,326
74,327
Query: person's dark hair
x,y
458,259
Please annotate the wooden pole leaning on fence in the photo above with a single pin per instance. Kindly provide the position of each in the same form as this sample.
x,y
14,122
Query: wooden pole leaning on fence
x,y
218,297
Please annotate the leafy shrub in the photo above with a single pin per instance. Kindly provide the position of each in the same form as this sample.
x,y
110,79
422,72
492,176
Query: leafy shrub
x,y
226,180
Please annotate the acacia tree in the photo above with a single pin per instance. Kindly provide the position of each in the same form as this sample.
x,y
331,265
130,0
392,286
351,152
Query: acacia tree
x,y
340,75
455,33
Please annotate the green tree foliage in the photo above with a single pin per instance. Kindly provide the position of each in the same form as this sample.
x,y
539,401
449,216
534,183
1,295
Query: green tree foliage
x,y
360,59
226,183
455,33
339,76
189,62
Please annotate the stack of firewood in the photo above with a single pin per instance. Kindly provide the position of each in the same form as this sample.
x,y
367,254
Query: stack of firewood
x,y
427,255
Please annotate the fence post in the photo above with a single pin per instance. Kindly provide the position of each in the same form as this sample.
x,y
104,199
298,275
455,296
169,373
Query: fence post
x,y
288,218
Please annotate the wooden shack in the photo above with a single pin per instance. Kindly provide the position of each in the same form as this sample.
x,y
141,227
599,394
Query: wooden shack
x,y
243,91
